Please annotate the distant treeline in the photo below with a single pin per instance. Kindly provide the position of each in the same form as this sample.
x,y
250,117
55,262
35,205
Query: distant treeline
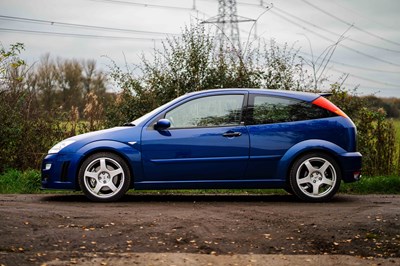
x,y
390,105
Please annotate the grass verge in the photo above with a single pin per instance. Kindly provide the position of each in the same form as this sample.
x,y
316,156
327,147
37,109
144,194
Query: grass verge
x,y
27,182
15,181
373,185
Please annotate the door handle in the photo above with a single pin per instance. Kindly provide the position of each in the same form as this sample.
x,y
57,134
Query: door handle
x,y
232,134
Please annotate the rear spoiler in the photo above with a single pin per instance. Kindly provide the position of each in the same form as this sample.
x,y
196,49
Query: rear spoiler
x,y
325,94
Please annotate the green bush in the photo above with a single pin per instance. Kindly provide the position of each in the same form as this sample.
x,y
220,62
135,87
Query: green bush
x,y
27,133
36,108
15,181
376,134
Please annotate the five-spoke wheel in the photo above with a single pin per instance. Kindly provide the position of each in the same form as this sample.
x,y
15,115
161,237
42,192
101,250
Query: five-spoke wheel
x,y
315,177
104,177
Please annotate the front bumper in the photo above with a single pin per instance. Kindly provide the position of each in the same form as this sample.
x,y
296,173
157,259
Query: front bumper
x,y
59,172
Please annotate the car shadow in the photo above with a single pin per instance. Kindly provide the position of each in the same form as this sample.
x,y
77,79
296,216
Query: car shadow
x,y
196,198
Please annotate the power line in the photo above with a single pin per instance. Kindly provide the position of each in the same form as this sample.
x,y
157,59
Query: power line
x,y
78,35
120,2
350,24
330,40
260,5
365,17
391,85
361,86
331,32
340,63
239,3
55,23
356,67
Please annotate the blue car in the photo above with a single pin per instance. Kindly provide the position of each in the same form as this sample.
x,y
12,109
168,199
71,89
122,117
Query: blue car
x,y
225,138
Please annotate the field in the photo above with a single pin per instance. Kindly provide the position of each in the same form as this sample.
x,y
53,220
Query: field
x,y
397,126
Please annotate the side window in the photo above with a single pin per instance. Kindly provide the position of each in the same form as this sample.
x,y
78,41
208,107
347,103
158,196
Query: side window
x,y
211,111
268,109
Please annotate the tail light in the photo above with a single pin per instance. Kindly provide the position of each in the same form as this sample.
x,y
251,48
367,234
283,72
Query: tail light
x,y
326,104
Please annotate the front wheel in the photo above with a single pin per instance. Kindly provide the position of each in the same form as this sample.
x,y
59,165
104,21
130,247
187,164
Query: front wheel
x,y
315,177
104,177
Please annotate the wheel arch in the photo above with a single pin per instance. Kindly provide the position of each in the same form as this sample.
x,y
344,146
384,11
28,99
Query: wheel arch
x,y
306,147
124,151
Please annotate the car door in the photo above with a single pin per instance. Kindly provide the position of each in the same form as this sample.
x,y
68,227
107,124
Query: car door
x,y
206,141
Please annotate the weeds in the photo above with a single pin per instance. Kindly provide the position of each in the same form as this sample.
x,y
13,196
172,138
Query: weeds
x,y
15,181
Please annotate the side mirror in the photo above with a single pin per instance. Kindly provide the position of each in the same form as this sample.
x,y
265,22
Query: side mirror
x,y
162,124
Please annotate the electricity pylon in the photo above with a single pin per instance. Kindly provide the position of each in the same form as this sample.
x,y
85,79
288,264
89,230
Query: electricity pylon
x,y
227,23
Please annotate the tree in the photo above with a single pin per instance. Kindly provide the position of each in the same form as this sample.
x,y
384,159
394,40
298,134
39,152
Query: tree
x,y
30,101
23,126
44,80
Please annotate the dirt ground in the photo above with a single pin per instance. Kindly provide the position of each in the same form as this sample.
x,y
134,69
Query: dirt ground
x,y
199,230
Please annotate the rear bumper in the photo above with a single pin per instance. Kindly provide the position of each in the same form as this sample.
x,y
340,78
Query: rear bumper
x,y
351,164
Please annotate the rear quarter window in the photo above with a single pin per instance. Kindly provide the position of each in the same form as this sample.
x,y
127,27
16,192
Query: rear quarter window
x,y
265,109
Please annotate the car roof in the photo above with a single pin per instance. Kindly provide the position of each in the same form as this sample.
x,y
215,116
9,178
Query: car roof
x,y
300,95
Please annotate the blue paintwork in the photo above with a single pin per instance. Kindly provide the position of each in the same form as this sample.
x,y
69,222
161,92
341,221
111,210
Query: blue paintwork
x,y
202,157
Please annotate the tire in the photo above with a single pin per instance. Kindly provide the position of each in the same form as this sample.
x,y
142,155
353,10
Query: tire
x,y
315,177
288,189
104,177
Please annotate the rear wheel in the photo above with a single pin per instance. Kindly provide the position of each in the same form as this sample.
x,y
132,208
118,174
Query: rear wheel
x,y
104,177
288,189
315,177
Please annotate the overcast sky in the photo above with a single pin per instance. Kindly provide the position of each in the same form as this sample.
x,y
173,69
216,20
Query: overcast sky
x,y
370,53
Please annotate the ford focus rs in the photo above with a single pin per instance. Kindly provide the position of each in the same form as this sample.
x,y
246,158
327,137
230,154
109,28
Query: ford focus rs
x,y
226,138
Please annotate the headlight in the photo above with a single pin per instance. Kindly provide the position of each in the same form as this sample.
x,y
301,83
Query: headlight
x,y
59,146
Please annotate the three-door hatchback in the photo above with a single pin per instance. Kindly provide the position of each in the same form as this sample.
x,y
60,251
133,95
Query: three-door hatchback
x,y
226,138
